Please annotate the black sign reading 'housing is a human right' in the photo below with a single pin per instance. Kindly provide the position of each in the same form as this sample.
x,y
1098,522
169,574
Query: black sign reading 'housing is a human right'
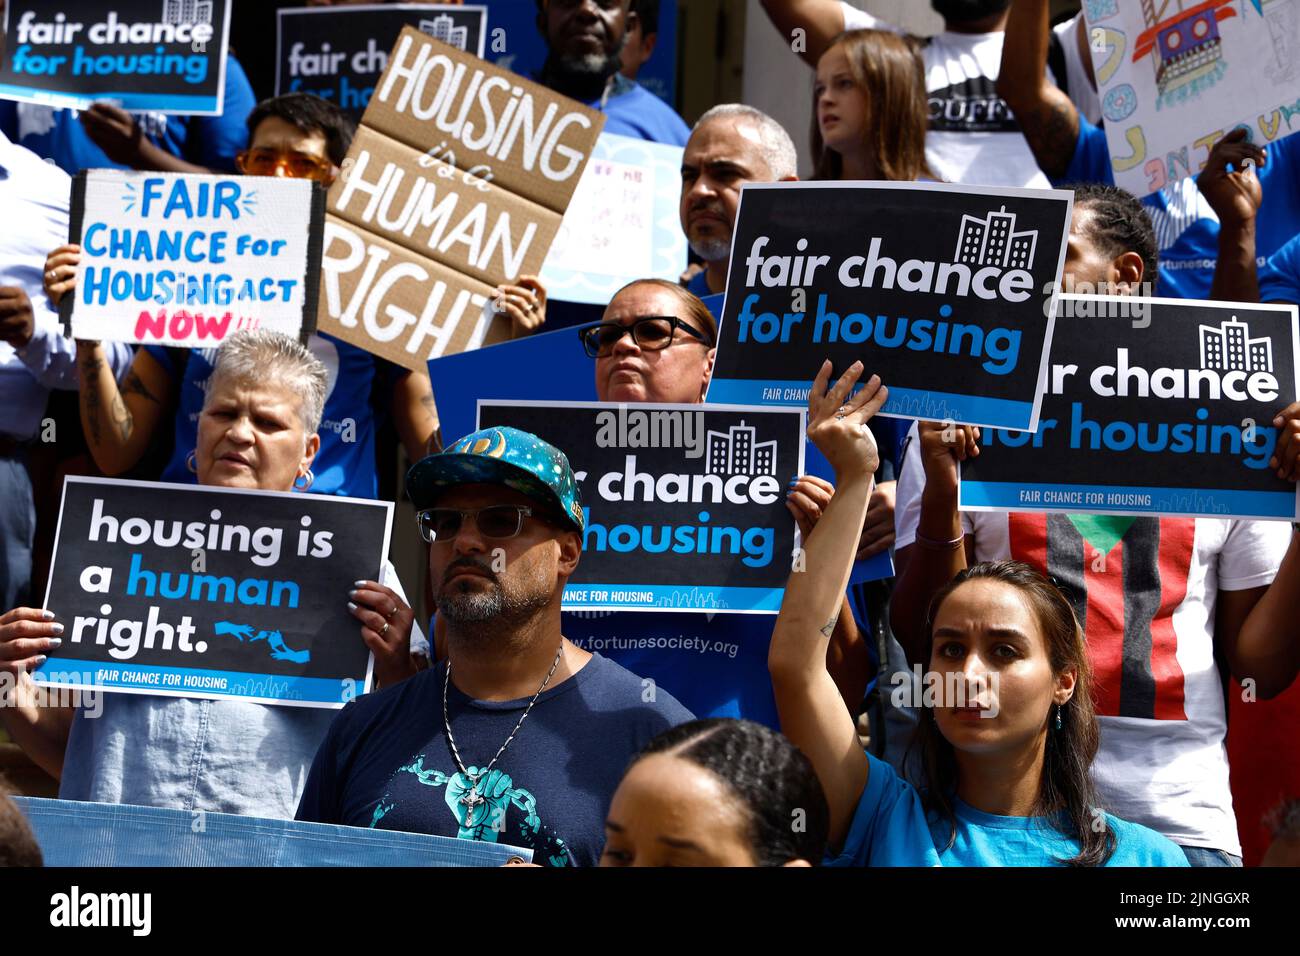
x,y
945,291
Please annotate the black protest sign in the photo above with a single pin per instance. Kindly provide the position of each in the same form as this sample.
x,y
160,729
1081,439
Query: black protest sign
x,y
1153,406
946,292
685,504
339,53
193,591
161,56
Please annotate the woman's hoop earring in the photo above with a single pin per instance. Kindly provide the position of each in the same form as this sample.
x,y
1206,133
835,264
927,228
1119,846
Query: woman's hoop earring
x,y
191,462
310,478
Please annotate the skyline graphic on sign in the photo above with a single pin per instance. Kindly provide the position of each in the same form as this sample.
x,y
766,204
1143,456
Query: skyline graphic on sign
x,y
443,27
1229,348
734,452
187,11
993,241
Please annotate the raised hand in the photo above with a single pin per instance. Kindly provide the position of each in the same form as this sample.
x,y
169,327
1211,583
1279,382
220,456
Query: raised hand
x,y
837,424
60,275
1234,195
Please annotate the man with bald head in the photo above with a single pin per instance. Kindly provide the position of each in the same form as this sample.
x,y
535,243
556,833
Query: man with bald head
x,y
732,144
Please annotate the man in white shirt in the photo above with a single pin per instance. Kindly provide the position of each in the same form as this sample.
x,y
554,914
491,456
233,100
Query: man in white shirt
x,y
34,354
973,137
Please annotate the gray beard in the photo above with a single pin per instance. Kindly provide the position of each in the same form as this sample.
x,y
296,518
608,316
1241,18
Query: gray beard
x,y
470,612
711,250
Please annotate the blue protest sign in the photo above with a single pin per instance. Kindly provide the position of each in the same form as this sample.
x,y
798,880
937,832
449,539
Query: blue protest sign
x,y
1153,407
199,591
164,56
77,833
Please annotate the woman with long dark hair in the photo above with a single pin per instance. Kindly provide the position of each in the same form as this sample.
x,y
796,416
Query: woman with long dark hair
x,y
869,109
1008,733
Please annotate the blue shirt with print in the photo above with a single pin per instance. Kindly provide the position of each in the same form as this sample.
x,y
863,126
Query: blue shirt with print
x,y
1279,277
1187,230
890,828
345,464
386,761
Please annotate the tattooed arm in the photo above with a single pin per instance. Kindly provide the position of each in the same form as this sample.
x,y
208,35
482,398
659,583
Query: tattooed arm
x,y
120,422
811,709
1046,116
414,414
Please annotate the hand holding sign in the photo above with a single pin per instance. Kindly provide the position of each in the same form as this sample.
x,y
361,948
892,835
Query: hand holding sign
x,y
1286,454
60,276
837,423
943,446
386,623
116,132
1234,195
26,635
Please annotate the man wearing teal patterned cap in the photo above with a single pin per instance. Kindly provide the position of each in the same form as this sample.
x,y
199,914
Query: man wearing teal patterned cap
x,y
518,736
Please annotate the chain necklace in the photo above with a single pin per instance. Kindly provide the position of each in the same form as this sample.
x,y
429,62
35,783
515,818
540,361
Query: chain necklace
x,y
471,798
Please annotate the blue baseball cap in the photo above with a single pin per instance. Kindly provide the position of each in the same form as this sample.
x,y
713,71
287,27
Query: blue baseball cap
x,y
500,456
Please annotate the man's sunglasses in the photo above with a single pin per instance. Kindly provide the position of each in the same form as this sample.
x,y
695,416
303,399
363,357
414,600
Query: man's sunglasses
x,y
494,521
264,162
651,333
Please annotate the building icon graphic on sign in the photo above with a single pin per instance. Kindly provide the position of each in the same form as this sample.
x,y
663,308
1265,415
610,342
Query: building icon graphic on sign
x,y
443,27
187,11
735,452
993,241
1229,348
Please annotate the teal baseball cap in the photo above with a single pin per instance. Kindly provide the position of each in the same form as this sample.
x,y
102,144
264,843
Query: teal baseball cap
x,y
500,456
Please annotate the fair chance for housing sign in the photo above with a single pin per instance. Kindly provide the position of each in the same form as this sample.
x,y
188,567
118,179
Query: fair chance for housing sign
x,y
163,56
338,53
947,292
186,260
194,591
684,504
1153,407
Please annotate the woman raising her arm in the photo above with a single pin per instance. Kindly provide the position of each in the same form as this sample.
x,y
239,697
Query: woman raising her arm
x,y
1006,749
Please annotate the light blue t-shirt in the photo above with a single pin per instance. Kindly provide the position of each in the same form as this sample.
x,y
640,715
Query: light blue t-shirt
x,y
634,111
1187,229
1279,277
890,828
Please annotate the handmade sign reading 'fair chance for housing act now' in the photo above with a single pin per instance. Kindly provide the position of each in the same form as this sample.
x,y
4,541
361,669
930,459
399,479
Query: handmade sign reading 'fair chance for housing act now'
x,y
1174,77
163,56
456,181
947,292
186,260
1154,407
685,504
194,591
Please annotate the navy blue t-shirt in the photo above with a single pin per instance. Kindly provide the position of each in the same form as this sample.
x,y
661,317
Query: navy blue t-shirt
x,y
386,762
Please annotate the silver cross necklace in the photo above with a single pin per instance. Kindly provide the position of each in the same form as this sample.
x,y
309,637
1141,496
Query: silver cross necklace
x,y
471,798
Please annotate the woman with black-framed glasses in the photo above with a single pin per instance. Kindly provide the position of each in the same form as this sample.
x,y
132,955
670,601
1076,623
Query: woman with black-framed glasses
x,y
655,343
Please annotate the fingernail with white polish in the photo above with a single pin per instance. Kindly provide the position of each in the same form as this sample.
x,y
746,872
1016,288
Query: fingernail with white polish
x,y
56,628
351,606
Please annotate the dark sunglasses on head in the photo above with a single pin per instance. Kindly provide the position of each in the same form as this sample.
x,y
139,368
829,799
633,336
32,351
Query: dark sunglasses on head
x,y
651,333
